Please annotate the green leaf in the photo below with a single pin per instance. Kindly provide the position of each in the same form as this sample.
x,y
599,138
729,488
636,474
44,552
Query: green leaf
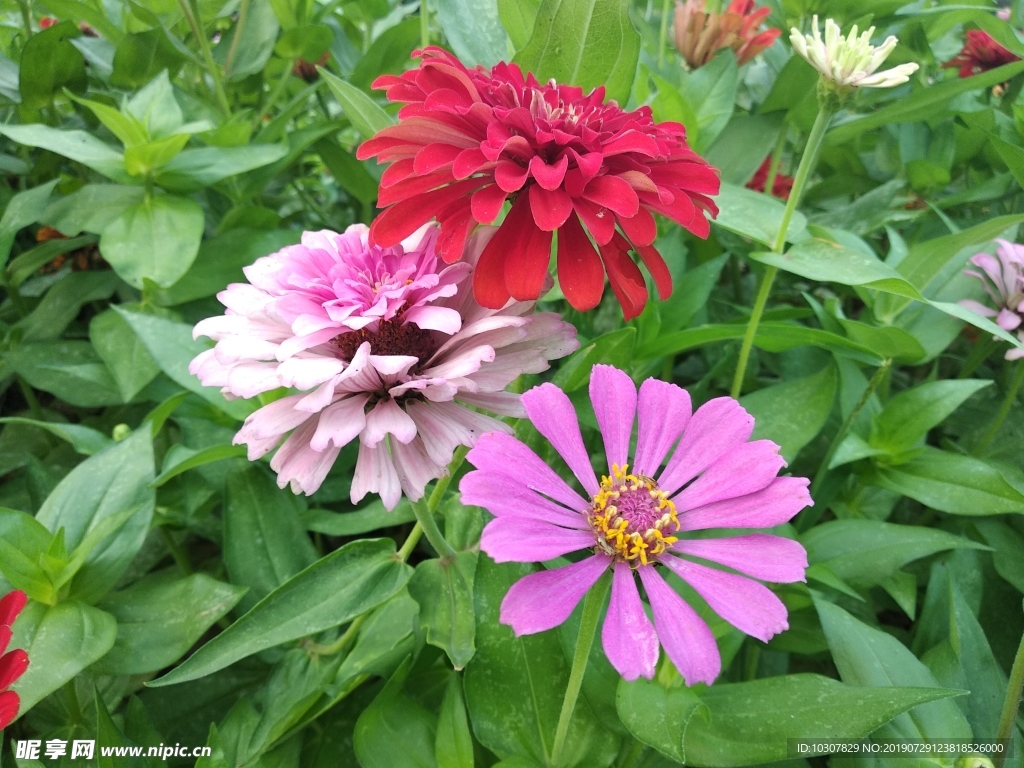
x,y
61,641
249,54
867,552
514,685
49,63
1008,544
24,544
473,30
146,158
63,302
172,346
444,590
123,352
80,11
183,459
690,295
79,146
659,716
360,109
125,126
160,617
309,42
264,541
156,240
71,370
85,440
102,486
349,172
874,659
710,95
586,43
953,483
518,17
91,208
754,214
395,731
907,418
453,746
613,348
31,261
370,518
793,412
142,56
386,637
888,341
195,169
744,144
335,589
23,209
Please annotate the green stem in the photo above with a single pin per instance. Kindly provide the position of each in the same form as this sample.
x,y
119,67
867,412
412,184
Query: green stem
x,y
1011,703
410,542
666,6
26,18
426,521
979,354
176,551
803,173
192,17
243,10
424,24
31,399
275,94
1004,409
592,605
773,168
631,758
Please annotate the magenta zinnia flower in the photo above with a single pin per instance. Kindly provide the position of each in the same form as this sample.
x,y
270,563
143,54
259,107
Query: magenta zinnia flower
x,y
13,663
469,139
980,53
1003,278
634,523
384,344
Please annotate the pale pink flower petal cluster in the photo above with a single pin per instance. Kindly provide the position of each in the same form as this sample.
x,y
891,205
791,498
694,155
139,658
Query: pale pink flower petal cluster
x,y
386,345
1003,278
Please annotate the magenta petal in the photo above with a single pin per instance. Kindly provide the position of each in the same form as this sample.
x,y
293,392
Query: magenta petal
x,y
717,426
746,604
771,558
613,394
664,410
511,539
977,307
552,414
504,495
497,452
769,507
742,471
628,637
684,635
545,599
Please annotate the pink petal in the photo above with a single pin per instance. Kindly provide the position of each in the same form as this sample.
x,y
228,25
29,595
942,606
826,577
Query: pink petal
x,y
613,394
746,604
444,319
742,471
545,599
495,452
388,418
975,306
683,634
774,505
1008,320
414,467
505,495
512,539
273,419
552,414
340,423
628,636
664,411
375,473
299,465
771,558
717,427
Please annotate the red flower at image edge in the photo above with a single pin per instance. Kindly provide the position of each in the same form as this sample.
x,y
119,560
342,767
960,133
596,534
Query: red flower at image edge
x,y
781,186
468,139
14,663
980,54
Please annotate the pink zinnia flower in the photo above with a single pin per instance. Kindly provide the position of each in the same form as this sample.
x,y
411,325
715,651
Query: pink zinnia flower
x,y
1003,278
980,54
384,344
634,523
469,139
13,663
701,33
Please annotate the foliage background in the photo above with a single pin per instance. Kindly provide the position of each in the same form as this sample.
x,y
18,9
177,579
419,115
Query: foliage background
x,y
149,158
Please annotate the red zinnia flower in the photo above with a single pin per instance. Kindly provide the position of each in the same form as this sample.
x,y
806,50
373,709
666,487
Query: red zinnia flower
x,y
46,22
468,139
13,664
980,54
781,186
701,33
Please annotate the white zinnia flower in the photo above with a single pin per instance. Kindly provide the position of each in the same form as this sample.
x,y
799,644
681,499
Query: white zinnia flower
x,y
850,61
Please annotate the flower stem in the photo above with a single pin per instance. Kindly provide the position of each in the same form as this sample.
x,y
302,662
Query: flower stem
x,y
194,20
425,519
424,25
803,172
592,605
666,6
979,354
1011,703
1004,409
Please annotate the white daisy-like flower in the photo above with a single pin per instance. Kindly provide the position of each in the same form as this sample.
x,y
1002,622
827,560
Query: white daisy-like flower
x,y
851,61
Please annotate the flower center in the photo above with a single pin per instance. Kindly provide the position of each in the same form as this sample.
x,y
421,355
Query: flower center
x,y
391,337
633,520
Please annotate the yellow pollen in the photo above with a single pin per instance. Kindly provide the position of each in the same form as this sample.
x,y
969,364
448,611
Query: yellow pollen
x,y
613,526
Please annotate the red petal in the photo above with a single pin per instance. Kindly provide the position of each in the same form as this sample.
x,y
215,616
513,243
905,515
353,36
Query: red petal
x,y
549,176
486,203
10,606
12,666
489,277
9,705
527,267
631,141
589,164
658,269
411,187
550,209
599,221
613,193
434,156
399,221
455,229
397,172
468,162
641,229
580,272
510,176
625,277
